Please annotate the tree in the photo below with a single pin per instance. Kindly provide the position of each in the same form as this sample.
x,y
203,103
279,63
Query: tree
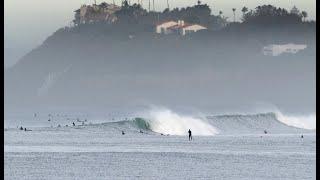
x,y
270,15
130,14
244,10
125,4
76,20
295,10
304,15
234,14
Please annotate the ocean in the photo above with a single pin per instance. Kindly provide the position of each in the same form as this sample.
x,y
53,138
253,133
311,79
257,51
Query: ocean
x,y
156,146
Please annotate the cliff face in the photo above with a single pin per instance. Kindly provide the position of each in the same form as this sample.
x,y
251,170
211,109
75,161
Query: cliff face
x,y
104,65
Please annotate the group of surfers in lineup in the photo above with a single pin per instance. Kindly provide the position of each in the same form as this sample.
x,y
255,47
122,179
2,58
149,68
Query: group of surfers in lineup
x,y
122,132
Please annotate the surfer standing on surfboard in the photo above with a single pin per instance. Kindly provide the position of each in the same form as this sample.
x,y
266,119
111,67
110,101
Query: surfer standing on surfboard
x,y
190,135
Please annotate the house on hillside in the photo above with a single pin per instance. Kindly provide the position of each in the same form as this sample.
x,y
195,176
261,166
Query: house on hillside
x,y
180,27
191,28
277,49
162,28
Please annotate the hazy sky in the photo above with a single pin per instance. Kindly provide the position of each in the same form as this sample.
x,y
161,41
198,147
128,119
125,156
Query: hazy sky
x,y
28,23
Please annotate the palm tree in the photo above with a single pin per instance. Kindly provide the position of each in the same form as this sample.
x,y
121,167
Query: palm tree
x,y
168,4
304,15
244,10
234,14
153,5
294,10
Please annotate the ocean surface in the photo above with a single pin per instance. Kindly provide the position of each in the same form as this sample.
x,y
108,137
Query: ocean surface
x,y
156,146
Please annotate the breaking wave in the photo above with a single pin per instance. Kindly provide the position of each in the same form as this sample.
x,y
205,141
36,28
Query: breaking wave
x,y
168,122
305,122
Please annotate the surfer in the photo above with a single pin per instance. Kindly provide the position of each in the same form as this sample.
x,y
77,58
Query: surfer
x,y
265,131
21,128
141,131
73,124
302,136
123,133
190,135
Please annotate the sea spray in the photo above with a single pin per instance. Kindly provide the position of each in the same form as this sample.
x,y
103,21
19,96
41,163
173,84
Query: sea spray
x,y
167,122
300,121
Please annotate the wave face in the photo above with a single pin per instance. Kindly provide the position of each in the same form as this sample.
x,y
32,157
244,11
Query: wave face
x,y
253,124
167,122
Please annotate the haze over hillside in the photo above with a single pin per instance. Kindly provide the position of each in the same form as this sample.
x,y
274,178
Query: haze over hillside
x,y
37,28
127,64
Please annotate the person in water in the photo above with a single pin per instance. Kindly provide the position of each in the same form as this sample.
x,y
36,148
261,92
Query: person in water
x,y
73,123
21,128
123,133
190,135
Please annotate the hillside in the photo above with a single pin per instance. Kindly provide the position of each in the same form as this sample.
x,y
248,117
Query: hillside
x,y
103,64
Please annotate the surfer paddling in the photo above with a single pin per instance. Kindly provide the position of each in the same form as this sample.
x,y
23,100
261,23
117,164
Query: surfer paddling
x,y
190,135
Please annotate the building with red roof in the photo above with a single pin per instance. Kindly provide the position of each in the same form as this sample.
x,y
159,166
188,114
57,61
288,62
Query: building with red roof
x,y
180,27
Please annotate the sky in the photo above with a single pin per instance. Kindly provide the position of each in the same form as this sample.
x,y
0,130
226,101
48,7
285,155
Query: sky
x,y
28,23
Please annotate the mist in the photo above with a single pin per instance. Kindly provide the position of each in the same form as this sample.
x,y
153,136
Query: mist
x,y
126,65
42,18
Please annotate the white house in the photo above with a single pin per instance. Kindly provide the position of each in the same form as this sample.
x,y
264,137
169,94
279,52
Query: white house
x,y
179,27
186,29
162,28
277,49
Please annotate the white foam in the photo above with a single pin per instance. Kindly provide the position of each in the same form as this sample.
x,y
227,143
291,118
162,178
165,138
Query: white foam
x,y
167,122
300,121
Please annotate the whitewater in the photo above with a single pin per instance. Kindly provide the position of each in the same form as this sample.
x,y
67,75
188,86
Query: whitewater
x,y
155,146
